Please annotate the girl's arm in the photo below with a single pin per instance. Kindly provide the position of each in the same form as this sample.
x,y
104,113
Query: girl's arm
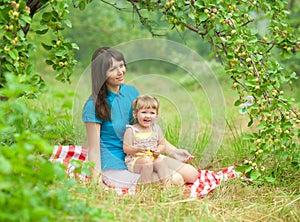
x,y
162,146
93,136
128,146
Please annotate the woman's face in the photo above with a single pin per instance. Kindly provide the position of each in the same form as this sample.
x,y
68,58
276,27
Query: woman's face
x,y
115,74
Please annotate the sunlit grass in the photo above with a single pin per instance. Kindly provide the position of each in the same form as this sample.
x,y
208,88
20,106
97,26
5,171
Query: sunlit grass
x,y
232,201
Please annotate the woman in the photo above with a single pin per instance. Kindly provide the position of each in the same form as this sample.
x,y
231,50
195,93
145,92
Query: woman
x,y
106,114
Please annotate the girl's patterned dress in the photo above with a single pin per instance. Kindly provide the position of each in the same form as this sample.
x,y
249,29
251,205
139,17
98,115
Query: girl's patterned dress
x,y
148,139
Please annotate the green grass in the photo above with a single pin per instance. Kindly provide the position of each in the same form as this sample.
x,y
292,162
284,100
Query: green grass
x,y
186,121
232,201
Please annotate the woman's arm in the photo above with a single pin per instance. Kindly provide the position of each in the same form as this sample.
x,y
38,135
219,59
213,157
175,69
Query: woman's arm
x,y
169,148
161,147
178,154
93,136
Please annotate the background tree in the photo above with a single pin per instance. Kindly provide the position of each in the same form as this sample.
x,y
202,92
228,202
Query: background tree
x,y
249,60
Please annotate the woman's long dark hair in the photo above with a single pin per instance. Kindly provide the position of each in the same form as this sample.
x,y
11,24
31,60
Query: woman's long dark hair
x,y
101,62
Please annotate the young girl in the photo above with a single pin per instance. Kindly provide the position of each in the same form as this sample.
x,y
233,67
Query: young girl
x,y
144,141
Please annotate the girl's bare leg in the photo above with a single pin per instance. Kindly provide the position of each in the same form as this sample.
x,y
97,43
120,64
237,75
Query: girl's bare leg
x,y
161,168
144,166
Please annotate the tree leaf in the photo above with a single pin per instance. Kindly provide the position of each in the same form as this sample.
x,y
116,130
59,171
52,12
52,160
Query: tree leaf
x,y
237,102
244,168
61,52
26,18
270,179
5,165
254,174
81,5
49,62
43,31
13,54
250,122
47,16
75,46
68,23
47,47
248,136
203,17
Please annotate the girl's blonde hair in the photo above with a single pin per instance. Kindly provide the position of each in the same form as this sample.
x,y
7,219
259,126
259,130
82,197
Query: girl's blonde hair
x,y
145,102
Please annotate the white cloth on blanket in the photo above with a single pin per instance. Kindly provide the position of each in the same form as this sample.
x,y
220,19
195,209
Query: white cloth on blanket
x,y
120,179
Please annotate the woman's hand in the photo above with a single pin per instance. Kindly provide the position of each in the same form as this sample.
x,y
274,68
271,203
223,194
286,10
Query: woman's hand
x,y
182,155
95,178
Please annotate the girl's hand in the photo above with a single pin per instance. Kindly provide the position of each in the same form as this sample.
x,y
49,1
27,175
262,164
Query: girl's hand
x,y
182,155
156,153
141,149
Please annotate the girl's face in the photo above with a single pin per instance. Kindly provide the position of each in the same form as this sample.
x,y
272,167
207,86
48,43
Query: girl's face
x,y
146,117
115,74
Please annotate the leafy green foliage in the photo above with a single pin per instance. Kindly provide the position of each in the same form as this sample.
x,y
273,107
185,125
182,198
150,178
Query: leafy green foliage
x,y
14,46
30,183
14,20
60,55
249,60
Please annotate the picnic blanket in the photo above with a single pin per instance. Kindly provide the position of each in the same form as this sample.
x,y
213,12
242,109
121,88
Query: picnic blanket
x,y
206,182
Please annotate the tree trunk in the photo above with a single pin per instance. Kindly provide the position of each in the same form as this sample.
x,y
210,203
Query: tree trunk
x,y
34,6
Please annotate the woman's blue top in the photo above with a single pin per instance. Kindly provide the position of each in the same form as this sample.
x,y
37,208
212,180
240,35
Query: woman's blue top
x,y
111,132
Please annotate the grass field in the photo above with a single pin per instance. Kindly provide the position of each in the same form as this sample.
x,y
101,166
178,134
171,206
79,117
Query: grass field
x,y
186,117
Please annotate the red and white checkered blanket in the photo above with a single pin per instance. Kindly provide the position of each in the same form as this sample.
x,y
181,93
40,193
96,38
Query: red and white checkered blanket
x,y
207,180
